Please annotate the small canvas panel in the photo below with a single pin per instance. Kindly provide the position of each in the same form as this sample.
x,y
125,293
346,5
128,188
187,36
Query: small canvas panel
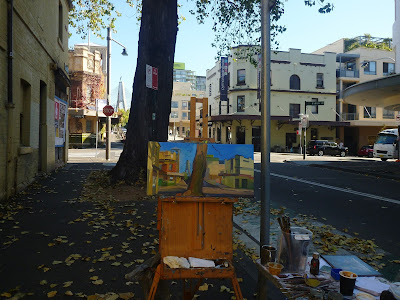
x,y
200,169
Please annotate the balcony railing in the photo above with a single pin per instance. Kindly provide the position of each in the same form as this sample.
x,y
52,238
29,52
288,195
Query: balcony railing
x,y
347,73
349,116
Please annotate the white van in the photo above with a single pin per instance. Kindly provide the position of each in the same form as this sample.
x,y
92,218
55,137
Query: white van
x,y
386,144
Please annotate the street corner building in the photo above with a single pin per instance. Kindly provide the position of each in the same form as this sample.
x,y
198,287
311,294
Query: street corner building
x,y
33,90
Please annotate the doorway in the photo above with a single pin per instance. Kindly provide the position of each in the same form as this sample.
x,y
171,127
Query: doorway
x,y
240,135
291,138
256,138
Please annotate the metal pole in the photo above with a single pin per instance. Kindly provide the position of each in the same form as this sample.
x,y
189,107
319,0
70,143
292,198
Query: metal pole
x,y
108,119
305,133
265,122
262,288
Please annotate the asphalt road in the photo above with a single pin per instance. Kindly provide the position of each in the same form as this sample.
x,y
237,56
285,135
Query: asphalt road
x,y
367,205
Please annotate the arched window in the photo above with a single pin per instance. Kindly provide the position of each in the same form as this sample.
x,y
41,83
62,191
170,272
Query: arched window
x,y
294,82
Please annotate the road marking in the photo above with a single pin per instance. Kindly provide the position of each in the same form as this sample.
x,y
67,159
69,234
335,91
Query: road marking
x,y
335,188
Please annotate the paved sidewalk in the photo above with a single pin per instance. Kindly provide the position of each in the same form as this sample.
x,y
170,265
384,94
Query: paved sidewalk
x,y
55,240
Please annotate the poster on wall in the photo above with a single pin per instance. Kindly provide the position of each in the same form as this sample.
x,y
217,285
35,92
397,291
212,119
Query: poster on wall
x,y
60,120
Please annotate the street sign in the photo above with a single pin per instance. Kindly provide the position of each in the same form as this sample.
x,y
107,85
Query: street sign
x,y
304,121
398,118
314,102
151,77
108,110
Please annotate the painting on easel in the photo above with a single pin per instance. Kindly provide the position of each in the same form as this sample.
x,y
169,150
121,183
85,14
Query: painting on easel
x,y
200,169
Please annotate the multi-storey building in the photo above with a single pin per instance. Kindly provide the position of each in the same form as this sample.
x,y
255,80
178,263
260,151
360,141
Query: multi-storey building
x,y
355,63
87,86
179,120
33,90
297,80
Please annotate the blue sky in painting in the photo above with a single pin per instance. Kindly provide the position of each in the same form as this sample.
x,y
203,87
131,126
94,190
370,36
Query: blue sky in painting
x,y
222,151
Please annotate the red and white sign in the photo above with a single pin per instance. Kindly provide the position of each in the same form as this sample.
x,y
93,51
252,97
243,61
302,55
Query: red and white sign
x,y
56,110
151,77
108,110
398,118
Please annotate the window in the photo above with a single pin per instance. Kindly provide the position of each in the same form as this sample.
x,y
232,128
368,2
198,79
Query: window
x,y
88,126
294,110
209,110
174,104
184,116
174,114
320,80
25,116
241,77
184,105
388,69
240,103
294,82
388,114
314,108
370,68
314,133
369,112
209,90
60,22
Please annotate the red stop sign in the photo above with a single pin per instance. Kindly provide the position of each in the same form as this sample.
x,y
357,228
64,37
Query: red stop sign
x,y
108,110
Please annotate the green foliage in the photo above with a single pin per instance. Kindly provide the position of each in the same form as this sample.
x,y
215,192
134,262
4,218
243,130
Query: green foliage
x,y
96,15
124,116
367,41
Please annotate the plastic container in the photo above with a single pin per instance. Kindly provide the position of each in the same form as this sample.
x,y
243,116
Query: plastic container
x,y
274,268
293,249
335,274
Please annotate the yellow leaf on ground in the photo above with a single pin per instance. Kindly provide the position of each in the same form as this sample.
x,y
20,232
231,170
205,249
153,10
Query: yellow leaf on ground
x,y
116,264
92,297
126,296
56,262
5,294
43,282
94,277
203,287
97,282
67,283
51,294
69,293
53,285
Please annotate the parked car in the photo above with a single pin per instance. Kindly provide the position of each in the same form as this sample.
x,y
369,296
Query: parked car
x,y
321,147
367,150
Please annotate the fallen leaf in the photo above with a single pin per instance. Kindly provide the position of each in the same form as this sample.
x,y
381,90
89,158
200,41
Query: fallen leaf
x,y
94,277
56,262
126,296
203,287
67,283
69,293
5,294
51,294
116,264
53,285
98,282
43,282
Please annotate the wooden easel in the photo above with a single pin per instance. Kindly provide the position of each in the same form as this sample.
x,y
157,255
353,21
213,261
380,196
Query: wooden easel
x,y
195,227
198,227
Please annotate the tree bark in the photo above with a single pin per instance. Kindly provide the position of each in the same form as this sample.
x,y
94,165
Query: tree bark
x,y
150,109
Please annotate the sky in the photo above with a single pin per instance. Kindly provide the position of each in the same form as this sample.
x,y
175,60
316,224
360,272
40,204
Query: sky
x,y
307,30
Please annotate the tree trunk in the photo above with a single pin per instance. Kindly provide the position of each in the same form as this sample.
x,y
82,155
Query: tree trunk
x,y
150,109
195,187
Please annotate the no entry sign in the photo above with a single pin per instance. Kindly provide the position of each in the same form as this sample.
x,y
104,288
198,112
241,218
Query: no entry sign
x,y
108,110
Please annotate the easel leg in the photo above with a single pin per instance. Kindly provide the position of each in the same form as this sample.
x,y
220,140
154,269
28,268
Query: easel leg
x,y
236,288
154,285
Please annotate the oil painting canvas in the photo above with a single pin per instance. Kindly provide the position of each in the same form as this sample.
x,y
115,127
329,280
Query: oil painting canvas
x,y
200,169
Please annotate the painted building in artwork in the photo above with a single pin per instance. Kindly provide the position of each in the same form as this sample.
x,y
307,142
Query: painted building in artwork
x,y
299,81
239,172
34,90
169,167
153,168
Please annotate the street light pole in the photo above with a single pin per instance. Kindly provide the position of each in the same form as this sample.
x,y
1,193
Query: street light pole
x,y
108,118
